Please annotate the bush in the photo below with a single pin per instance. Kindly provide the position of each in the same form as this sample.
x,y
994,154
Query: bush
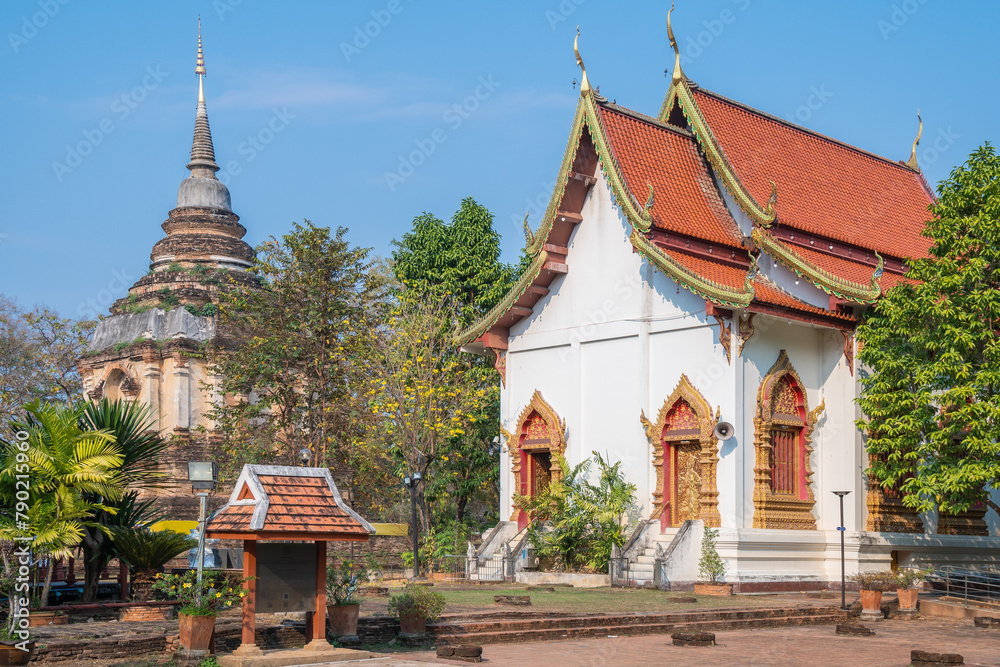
x,y
710,566
576,523
214,594
874,581
908,578
417,601
343,583
146,552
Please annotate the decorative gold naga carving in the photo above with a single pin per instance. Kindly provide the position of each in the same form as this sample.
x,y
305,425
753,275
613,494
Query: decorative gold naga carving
x,y
697,463
773,510
725,337
745,331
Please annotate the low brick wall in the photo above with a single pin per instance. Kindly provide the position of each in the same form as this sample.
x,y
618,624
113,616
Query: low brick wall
x,y
146,613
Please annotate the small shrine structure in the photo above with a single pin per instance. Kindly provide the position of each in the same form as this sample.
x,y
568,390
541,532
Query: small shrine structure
x,y
283,504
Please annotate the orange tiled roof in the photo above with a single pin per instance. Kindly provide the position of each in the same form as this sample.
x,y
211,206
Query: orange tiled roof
x,y
278,499
685,197
768,293
824,187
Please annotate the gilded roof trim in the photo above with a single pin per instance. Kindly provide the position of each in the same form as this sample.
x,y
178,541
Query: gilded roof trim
x,y
484,323
826,281
761,215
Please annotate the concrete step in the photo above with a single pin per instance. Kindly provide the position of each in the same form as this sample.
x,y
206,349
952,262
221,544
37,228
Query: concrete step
x,y
600,626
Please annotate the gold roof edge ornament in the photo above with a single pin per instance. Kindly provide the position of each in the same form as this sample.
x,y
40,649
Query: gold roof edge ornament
x,y
678,75
912,162
584,83
199,67
529,236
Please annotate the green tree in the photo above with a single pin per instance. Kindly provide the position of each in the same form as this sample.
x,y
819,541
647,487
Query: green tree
x,y
294,353
460,261
141,446
932,393
146,552
66,466
38,353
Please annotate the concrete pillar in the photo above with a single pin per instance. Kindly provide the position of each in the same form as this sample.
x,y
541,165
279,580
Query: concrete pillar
x,y
182,394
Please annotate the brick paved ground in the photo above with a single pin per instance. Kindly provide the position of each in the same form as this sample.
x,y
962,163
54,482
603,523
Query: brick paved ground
x,y
814,646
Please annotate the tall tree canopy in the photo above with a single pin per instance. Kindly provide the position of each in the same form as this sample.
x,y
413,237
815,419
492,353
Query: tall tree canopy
x,y
294,362
38,353
932,345
460,262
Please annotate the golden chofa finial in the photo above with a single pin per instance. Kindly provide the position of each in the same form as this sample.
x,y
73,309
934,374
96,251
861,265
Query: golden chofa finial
x,y
678,75
912,162
584,84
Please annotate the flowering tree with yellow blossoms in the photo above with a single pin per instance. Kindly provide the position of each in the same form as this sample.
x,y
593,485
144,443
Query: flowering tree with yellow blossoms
x,y
421,390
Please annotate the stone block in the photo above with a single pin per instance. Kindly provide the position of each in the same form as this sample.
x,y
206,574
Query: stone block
x,y
855,630
693,638
464,653
986,622
686,600
512,600
928,659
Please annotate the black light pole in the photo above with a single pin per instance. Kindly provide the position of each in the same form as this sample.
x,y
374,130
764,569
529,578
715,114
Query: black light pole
x,y
411,483
843,566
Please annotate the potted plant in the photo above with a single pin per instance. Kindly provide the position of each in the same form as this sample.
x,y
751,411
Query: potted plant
x,y
415,606
343,588
199,604
908,584
711,567
16,646
872,584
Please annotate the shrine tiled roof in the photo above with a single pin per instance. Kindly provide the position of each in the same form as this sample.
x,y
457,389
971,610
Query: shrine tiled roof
x,y
686,199
824,186
277,500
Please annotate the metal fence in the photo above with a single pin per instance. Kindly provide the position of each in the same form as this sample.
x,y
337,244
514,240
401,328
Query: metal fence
x,y
967,583
488,568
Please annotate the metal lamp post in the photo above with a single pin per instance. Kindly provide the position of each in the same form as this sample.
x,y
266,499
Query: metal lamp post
x,y
411,482
305,454
203,476
843,566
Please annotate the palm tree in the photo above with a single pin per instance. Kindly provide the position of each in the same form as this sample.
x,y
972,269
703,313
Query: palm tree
x,y
140,444
146,552
70,472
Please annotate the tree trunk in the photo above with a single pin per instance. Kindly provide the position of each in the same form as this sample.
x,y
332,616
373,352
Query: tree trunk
x,y
47,586
94,561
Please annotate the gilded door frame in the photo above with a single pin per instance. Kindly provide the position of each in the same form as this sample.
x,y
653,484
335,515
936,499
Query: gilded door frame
x,y
553,442
708,447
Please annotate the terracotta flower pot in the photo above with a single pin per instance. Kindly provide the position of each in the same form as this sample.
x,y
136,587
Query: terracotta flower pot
x,y
871,601
713,589
907,598
11,655
197,632
412,625
343,619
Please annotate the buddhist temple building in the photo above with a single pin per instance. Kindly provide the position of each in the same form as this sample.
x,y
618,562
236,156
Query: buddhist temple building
x,y
706,267
152,347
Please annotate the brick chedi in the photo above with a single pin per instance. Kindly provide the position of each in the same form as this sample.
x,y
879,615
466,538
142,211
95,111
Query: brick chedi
x,y
152,347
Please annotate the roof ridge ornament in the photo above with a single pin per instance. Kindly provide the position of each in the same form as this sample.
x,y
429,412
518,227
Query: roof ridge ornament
x,y
751,276
912,162
584,83
678,75
529,236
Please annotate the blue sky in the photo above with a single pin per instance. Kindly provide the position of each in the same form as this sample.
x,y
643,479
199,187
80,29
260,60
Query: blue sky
x,y
311,116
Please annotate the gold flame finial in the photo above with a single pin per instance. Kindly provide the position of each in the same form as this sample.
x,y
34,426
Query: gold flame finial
x,y
678,75
199,67
912,162
584,83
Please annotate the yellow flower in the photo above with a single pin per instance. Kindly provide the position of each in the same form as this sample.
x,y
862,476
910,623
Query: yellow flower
x,y
218,595
187,585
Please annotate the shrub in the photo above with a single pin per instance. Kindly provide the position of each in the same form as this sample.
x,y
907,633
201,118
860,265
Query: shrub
x,y
146,552
909,578
874,581
343,583
710,565
577,523
214,593
417,601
